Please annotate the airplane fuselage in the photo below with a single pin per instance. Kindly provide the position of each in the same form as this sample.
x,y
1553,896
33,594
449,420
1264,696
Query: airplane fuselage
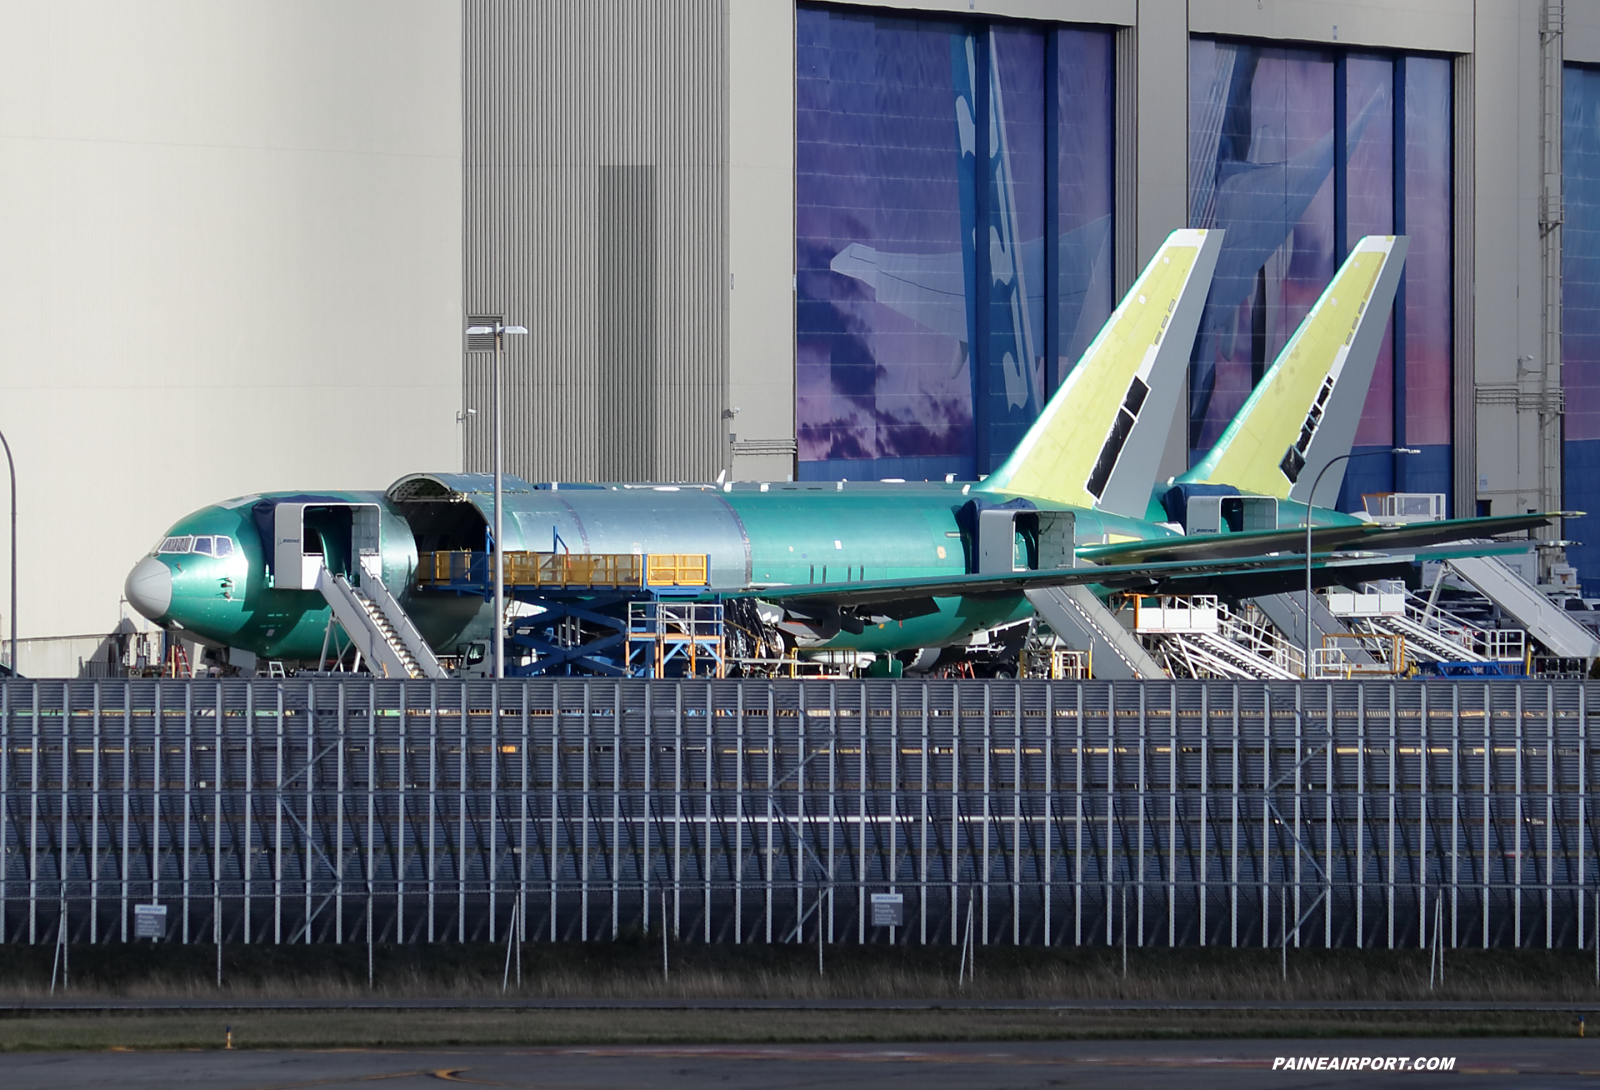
x,y
754,536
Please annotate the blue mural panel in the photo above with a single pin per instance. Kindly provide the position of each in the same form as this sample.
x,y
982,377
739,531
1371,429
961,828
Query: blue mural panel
x,y
1012,364
925,325
1580,318
1084,94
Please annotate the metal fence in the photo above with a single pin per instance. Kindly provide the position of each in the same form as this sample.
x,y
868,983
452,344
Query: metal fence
x,y
1217,813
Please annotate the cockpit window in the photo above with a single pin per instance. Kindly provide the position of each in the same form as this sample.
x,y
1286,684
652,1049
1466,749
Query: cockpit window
x,y
205,545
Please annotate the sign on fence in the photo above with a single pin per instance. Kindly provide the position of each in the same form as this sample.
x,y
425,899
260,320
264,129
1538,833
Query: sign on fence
x,y
888,910
149,921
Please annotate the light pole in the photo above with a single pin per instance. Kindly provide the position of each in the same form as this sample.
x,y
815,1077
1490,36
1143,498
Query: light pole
x,y
499,329
1310,498
12,466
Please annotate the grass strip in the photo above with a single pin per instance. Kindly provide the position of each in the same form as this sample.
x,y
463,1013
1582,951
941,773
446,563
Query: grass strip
x,y
632,970
424,1028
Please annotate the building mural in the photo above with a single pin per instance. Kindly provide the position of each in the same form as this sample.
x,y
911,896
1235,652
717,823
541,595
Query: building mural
x,y
953,235
1580,317
1292,152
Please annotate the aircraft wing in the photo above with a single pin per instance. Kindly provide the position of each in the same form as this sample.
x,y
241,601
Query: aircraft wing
x,y
1324,539
905,598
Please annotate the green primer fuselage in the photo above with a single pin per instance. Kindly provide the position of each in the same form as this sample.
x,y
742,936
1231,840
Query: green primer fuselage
x,y
755,536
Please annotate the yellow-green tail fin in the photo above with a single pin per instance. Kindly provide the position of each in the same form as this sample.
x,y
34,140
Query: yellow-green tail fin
x,y
1098,442
1305,410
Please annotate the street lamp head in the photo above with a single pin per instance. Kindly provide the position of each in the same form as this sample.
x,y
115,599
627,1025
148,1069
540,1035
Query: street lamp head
x,y
1405,450
490,330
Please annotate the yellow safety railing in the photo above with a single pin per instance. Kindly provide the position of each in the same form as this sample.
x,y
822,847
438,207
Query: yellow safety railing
x,y
573,569
564,569
677,569
445,567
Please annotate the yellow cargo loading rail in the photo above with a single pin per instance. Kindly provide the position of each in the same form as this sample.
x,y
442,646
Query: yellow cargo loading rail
x,y
465,570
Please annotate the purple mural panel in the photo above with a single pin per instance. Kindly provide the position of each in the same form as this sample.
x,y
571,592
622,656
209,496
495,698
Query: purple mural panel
x,y
881,317
1261,167
923,169
1369,202
1428,300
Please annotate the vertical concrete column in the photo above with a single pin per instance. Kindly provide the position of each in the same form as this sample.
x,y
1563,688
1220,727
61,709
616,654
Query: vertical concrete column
x,y
761,192
1159,127
1508,346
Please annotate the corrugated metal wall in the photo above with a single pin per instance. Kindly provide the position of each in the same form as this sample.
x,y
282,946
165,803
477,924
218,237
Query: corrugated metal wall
x,y
595,161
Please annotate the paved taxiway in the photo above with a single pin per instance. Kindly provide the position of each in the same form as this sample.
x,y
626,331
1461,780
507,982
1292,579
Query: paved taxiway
x,y
1238,1065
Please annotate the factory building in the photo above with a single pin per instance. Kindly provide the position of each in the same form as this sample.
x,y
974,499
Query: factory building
x,y
763,237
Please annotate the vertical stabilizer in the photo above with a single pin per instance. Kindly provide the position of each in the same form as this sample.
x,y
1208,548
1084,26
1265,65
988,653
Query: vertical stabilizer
x,y
1305,410
1098,442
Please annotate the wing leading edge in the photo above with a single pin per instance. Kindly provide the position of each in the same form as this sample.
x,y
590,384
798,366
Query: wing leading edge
x,y
1366,536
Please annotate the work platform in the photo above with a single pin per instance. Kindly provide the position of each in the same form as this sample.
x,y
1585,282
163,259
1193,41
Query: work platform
x,y
610,614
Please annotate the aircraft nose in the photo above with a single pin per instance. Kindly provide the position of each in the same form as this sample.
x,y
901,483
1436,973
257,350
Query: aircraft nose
x,y
149,588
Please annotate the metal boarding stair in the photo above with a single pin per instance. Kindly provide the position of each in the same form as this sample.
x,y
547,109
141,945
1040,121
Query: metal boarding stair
x,y
1532,609
1240,646
1266,650
1084,622
1288,615
379,627
1424,642
1220,655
